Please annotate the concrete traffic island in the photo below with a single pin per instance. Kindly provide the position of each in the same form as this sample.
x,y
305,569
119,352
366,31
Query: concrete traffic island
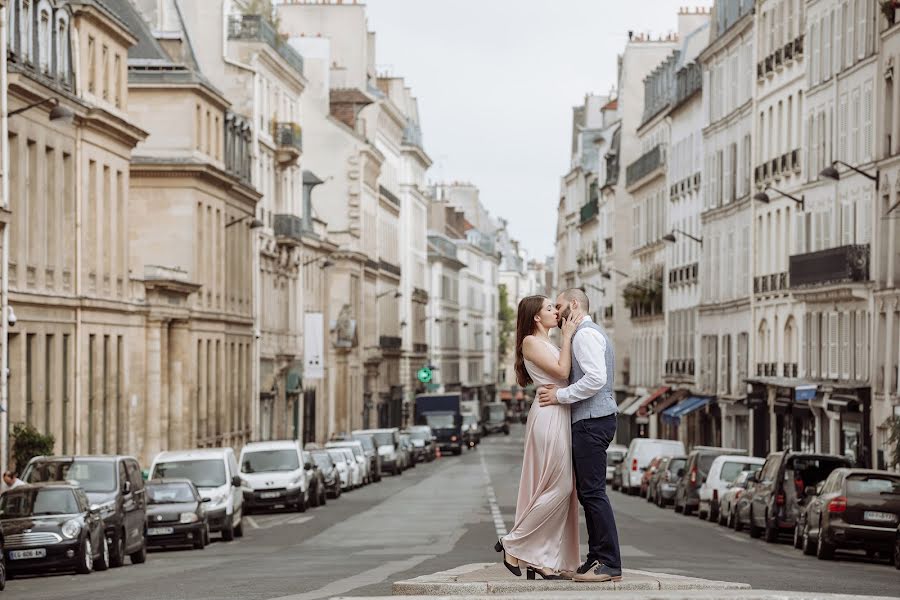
x,y
493,579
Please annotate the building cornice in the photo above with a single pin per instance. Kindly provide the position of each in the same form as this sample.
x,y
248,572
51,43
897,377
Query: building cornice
x,y
163,168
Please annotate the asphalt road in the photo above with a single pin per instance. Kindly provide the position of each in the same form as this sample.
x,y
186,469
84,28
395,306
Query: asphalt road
x,y
436,517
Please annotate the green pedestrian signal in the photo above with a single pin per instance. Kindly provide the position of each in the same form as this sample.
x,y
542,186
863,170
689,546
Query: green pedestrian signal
x,y
424,374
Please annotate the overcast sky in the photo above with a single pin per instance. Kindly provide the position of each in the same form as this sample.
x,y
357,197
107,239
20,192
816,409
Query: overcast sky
x,y
496,80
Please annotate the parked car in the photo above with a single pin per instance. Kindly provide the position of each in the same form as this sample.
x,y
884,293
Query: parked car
x,y
214,471
116,485
647,474
342,465
771,504
855,509
330,474
356,472
359,454
423,443
640,452
615,454
493,418
318,495
368,443
276,475
687,492
729,499
723,470
665,481
406,440
176,514
471,430
387,442
897,549
52,527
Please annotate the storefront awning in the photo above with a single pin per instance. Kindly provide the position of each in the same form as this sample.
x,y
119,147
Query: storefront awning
x,y
675,413
627,404
673,398
649,399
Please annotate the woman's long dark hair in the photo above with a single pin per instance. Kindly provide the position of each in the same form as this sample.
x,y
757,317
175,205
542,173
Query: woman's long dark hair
x,y
528,308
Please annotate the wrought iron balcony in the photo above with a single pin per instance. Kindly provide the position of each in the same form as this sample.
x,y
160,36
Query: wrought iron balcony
x,y
790,369
845,264
646,164
769,64
289,139
798,45
590,210
389,342
288,229
789,51
778,58
795,160
420,348
257,29
389,267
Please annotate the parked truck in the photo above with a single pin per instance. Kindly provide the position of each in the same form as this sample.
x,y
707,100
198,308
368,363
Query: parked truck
x,y
442,413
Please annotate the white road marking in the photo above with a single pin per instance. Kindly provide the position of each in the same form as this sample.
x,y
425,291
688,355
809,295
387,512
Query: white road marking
x,y
370,577
736,538
252,522
298,520
499,525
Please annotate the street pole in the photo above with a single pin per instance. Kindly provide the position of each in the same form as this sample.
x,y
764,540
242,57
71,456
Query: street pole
x,y
4,255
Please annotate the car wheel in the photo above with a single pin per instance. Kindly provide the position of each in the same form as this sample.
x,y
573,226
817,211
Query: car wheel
x,y
85,557
807,545
302,503
722,520
897,554
139,557
677,506
103,563
239,529
713,514
703,516
659,500
755,532
200,542
798,537
323,497
824,550
117,556
2,574
771,532
228,530
206,535
686,510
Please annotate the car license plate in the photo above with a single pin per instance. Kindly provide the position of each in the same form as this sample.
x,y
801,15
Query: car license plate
x,y
881,517
160,530
269,494
35,553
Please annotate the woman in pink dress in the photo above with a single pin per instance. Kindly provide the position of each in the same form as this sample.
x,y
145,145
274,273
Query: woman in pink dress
x,y
545,535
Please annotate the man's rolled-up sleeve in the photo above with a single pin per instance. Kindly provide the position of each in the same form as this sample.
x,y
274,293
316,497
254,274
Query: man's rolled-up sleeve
x,y
589,347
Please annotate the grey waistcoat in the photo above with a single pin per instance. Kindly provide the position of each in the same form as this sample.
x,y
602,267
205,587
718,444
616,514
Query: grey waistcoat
x,y
602,403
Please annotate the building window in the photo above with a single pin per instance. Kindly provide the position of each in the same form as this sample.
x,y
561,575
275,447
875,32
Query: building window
x,y
92,64
45,43
62,46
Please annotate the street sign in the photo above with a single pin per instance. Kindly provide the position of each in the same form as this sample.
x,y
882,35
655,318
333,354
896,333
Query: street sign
x,y
424,374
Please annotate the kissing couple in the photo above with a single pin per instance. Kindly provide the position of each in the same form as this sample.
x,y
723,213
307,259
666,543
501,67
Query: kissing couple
x,y
569,428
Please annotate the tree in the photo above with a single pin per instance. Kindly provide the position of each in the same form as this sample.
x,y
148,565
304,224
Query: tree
x,y
506,317
28,442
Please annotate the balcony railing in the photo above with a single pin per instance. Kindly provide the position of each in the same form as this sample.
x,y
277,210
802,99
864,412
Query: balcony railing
x,y
590,210
845,264
773,282
680,366
767,369
288,135
390,267
389,342
288,228
257,28
790,369
645,165
789,51
420,348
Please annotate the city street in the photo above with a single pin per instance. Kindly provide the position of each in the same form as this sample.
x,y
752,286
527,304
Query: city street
x,y
435,517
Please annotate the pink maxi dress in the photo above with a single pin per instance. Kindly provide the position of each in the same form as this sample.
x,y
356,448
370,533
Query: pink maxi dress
x,y
545,533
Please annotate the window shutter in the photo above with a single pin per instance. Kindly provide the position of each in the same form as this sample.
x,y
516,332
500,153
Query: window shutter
x,y
868,133
826,52
842,128
823,138
816,54
846,224
846,346
807,345
811,148
861,346
726,179
861,28
863,219
833,346
837,50
854,127
848,39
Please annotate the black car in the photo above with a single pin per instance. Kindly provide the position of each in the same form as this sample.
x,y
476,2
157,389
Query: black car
x,y
115,484
897,549
687,492
772,502
176,515
329,471
52,527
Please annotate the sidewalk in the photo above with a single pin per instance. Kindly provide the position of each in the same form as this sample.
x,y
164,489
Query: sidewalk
x,y
491,581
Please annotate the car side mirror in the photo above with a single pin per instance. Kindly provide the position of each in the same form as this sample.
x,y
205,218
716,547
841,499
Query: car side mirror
x,y
810,490
126,488
307,467
205,499
680,473
236,481
95,508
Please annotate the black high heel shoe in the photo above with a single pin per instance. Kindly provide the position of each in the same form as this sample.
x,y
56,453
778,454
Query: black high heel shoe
x,y
514,569
530,572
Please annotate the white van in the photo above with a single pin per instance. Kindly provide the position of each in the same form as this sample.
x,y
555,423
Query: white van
x,y
277,475
722,472
214,472
640,452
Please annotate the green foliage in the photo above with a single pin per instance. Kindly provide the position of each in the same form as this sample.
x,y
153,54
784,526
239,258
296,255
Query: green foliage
x,y
894,441
264,8
506,317
27,443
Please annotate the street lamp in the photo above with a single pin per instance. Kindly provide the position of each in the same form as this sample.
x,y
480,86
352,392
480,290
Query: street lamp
x,y
254,224
325,264
383,294
830,172
670,237
764,197
59,112
608,275
591,285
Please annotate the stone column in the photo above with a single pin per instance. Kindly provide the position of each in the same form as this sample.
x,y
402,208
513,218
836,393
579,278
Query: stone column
x,y
202,391
179,390
164,388
152,419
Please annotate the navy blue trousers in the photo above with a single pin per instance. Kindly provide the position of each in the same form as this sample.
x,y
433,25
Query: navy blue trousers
x,y
590,439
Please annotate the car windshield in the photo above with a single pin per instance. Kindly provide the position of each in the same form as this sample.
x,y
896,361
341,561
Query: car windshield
x,y
91,475
323,460
420,434
384,438
675,464
469,420
730,470
203,473
366,441
268,461
615,457
170,493
806,471
337,455
705,461
440,421
16,504
872,485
